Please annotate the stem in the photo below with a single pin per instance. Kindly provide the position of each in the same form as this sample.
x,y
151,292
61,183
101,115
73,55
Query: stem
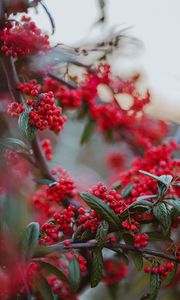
x,y
41,160
70,84
92,244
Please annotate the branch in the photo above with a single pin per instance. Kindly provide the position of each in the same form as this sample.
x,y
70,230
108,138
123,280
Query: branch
x,y
89,245
70,84
41,160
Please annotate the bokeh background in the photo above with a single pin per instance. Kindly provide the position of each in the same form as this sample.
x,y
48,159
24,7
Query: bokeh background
x,y
156,24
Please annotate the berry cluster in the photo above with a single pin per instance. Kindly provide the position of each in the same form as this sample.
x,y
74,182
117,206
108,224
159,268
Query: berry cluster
x,y
47,148
68,98
15,109
60,223
61,288
47,198
162,270
31,88
178,252
23,39
114,271
82,261
45,113
130,224
140,240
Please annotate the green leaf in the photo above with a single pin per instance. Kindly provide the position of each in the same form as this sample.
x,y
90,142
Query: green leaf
x,y
30,239
102,233
127,190
157,236
141,202
12,143
137,259
85,235
164,179
51,269
45,181
146,197
174,203
77,232
164,184
155,283
171,275
27,130
150,175
101,208
88,131
43,288
74,274
162,214
117,185
97,267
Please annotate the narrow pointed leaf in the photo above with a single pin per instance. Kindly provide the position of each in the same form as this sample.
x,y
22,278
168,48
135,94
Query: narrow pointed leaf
x,y
27,130
43,288
162,214
74,274
29,240
127,190
88,131
101,234
97,267
101,208
51,269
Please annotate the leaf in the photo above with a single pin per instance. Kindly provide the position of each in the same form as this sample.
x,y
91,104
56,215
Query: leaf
x,y
141,202
157,236
146,197
137,259
174,203
77,232
97,267
43,288
117,185
30,239
150,175
127,190
171,275
155,283
74,274
85,235
162,214
51,269
101,208
27,130
45,181
163,181
88,131
166,179
102,233
12,143
164,185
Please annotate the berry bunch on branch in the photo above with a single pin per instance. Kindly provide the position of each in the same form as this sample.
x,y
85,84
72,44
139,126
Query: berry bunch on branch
x,y
59,238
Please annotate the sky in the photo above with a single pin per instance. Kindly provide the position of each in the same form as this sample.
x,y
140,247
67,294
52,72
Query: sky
x,y
155,22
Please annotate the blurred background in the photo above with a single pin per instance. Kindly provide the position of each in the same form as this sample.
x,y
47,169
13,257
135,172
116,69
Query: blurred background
x,y
156,25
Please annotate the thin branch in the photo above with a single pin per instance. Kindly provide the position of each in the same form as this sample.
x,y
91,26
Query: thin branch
x,y
41,160
43,4
70,84
92,244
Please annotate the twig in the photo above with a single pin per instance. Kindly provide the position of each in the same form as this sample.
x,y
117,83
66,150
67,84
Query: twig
x,y
70,84
49,15
92,244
